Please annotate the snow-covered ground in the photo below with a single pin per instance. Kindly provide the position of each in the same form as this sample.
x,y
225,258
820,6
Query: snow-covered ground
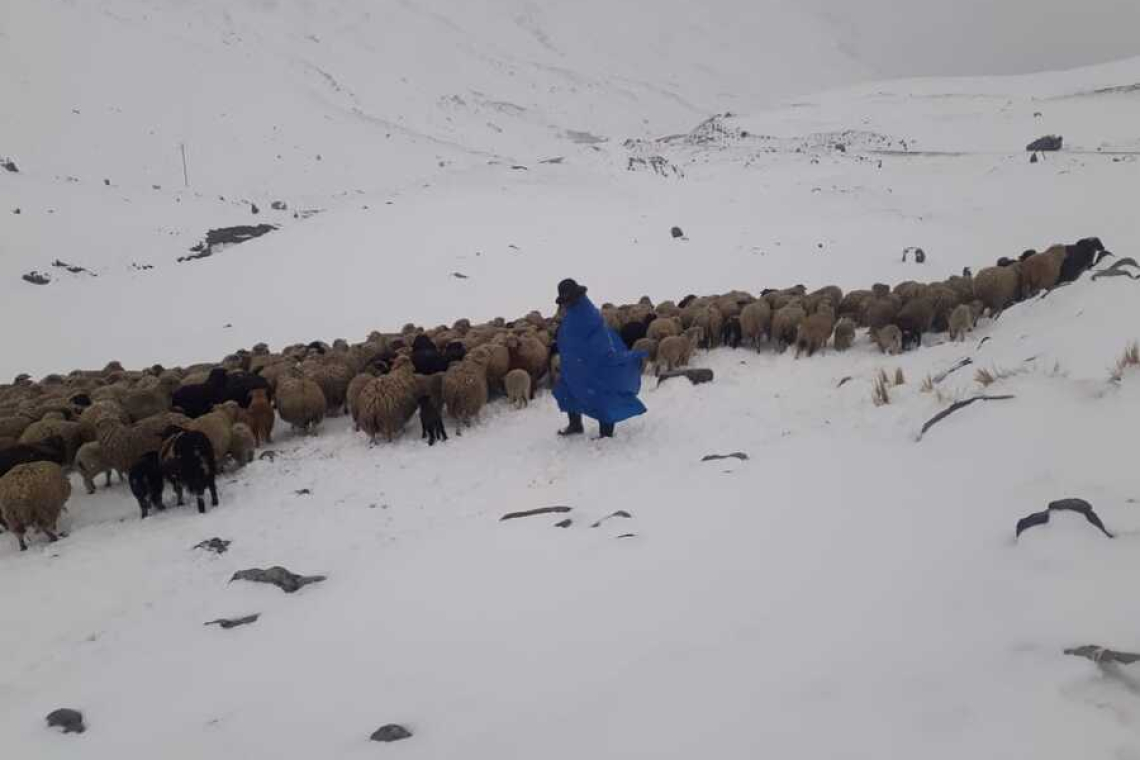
x,y
848,591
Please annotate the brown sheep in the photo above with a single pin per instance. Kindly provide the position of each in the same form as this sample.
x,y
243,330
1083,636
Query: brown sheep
x,y
122,446
333,377
300,402
853,304
218,427
518,385
1041,271
755,321
814,331
662,328
998,287
844,334
880,312
33,495
261,416
496,363
889,339
530,354
786,325
465,388
69,432
387,403
961,322
676,350
915,319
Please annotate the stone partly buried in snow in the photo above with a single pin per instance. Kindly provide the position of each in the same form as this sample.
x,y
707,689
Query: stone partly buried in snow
x,y
1046,143
215,545
71,721
279,577
533,512
393,732
695,376
717,457
228,623
217,239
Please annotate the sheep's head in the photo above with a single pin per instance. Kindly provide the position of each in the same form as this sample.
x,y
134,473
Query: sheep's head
x,y
259,395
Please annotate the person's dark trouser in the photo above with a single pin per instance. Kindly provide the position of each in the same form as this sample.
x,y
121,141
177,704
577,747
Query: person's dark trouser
x,y
605,429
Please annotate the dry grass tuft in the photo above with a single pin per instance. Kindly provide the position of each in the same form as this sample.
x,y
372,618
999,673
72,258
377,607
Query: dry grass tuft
x,y
927,385
900,379
1130,358
880,392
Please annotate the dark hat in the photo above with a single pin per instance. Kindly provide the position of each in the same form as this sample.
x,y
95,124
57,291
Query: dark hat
x,y
569,292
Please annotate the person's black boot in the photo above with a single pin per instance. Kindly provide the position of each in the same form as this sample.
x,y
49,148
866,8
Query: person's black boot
x,y
575,426
605,430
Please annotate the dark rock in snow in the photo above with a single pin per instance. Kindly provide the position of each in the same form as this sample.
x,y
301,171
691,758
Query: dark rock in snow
x,y
1046,143
564,523
278,205
695,376
36,278
10,165
71,721
223,236
717,457
619,513
677,233
269,455
228,623
392,732
1102,655
254,209
303,492
215,545
1033,159
533,512
459,276
278,576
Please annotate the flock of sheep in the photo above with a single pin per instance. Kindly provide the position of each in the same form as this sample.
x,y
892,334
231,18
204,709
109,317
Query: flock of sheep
x,y
182,425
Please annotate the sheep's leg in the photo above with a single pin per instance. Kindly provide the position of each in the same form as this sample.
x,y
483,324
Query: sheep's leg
x,y
20,540
178,493
105,485
143,508
213,493
201,505
89,484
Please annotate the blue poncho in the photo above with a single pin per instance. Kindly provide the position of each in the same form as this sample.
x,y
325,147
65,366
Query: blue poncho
x,y
600,377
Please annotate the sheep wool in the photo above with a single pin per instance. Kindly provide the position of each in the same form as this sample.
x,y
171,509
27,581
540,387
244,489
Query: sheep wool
x,y
301,402
33,495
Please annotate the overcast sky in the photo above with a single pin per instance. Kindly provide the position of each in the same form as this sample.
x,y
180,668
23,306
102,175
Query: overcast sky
x,y
902,38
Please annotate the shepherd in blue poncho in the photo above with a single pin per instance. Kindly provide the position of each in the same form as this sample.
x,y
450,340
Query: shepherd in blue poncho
x,y
600,378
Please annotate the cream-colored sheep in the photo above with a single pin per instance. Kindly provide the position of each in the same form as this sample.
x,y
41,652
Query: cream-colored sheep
x,y
300,402
518,386
387,403
33,495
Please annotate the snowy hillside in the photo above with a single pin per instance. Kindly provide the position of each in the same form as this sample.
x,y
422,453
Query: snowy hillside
x,y
845,590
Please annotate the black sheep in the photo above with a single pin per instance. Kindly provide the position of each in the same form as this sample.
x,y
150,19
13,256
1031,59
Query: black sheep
x,y
431,422
147,482
239,386
51,449
426,358
199,399
731,333
1080,257
636,330
188,461
686,301
454,352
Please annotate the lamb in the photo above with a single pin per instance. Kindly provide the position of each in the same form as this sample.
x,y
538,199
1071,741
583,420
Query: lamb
x,y
197,399
814,331
518,387
676,351
91,464
387,403
961,322
431,423
465,387
33,495
1041,271
262,416
187,460
889,339
914,319
786,324
844,334
147,483
998,287
755,320
301,402
243,443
